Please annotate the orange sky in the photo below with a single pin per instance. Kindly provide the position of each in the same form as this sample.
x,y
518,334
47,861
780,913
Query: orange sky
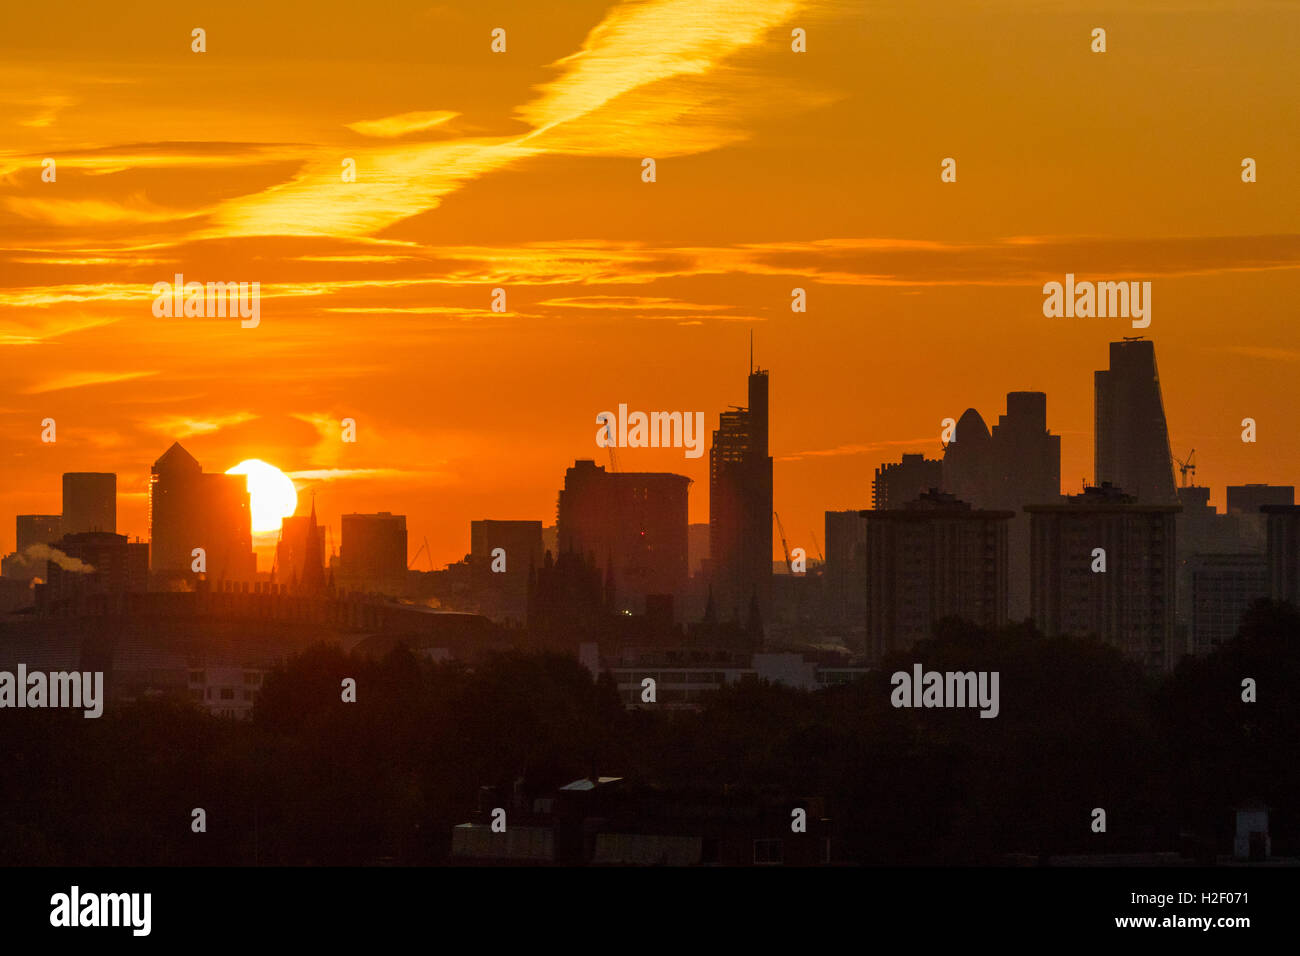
x,y
522,170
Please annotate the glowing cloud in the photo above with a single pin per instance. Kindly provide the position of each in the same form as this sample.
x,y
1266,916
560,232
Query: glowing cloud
x,y
82,379
403,123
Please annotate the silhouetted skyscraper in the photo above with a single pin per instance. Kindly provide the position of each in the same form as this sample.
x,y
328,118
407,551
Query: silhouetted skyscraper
x,y
372,555
632,525
1131,440
897,483
968,461
38,529
1026,456
1026,470
190,508
89,502
740,509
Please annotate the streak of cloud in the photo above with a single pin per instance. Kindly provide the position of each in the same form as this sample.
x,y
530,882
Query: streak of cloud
x,y
858,449
84,379
179,426
403,123
635,46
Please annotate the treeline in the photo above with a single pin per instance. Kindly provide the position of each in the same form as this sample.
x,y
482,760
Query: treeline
x,y
314,780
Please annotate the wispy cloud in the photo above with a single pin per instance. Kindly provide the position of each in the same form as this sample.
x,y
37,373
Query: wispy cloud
x,y
859,449
637,303
80,292
103,160
403,123
89,212
1262,352
402,310
356,258
343,474
639,44
49,108
83,379
634,47
17,334
392,184
179,426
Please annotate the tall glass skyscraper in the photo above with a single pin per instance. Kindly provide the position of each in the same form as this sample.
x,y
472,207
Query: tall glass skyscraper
x,y
1132,440
740,509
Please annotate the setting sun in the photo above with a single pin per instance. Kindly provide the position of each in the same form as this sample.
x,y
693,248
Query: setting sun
x,y
273,495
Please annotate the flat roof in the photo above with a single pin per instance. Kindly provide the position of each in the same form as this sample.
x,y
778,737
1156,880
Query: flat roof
x,y
925,514
1100,507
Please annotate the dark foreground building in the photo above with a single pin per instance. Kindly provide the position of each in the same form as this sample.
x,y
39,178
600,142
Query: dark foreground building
x,y
934,559
607,821
1104,565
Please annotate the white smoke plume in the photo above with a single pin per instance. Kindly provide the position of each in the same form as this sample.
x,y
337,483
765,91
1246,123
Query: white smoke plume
x,y
37,554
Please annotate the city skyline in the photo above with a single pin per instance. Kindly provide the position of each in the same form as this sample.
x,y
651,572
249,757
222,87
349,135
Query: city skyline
x,y
265,544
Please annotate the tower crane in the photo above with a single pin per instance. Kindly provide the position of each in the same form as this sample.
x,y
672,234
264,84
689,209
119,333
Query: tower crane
x,y
784,547
1188,466
428,555
609,447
